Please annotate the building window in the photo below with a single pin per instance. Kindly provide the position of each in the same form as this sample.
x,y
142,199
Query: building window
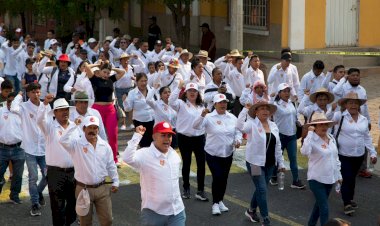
x,y
256,14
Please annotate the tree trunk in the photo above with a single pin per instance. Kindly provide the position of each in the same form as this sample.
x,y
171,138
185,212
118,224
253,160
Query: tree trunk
x,y
186,28
23,22
177,20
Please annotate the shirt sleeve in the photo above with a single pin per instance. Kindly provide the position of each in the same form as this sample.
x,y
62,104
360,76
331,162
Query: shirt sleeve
x,y
243,124
174,102
200,122
112,168
113,78
15,106
129,155
307,144
67,140
42,118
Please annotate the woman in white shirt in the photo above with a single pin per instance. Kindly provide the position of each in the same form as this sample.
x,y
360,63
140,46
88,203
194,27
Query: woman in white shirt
x,y
222,139
162,110
189,106
353,138
286,119
323,166
197,76
263,152
142,112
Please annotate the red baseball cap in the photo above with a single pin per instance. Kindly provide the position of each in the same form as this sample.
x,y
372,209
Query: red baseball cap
x,y
163,127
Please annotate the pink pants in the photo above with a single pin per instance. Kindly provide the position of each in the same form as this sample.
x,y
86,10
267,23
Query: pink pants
x,y
109,117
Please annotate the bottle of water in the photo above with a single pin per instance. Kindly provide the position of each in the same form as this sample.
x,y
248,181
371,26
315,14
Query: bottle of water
x,y
371,166
337,187
281,181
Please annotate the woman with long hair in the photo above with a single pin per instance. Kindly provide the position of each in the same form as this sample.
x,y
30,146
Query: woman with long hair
x,y
189,106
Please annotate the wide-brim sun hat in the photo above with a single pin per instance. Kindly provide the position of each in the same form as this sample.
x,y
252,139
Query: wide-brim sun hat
x,y
185,51
203,53
330,96
351,96
124,55
236,53
80,96
174,63
59,104
320,118
253,108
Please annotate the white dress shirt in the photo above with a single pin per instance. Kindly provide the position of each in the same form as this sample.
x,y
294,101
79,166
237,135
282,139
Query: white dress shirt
x,y
159,176
90,112
311,82
156,56
186,114
248,96
162,111
309,110
251,75
285,117
222,134
221,63
235,79
145,57
164,78
207,69
11,55
354,137
92,165
324,164
185,69
344,87
56,154
256,143
33,140
10,127
136,101
127,80
201,81
278,76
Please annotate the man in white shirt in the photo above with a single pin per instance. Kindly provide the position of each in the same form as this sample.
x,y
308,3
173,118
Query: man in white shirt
x,y
251,69
312,81
207,65
143,54
92,48
82,110
93,162
169,77
50,35
33,143
75,40
159,167
157,52
10,150
184,60
60,167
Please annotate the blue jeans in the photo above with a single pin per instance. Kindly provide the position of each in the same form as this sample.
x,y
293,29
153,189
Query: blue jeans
x,y
119,92
17,156
290,143
321,207
259,198
15,82
32,162
151,218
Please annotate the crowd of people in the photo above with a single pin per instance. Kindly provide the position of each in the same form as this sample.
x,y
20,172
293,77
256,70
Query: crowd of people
x,y
62,111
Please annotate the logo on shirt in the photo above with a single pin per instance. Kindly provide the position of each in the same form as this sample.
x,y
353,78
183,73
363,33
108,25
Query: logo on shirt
x,y
162,162
31,116
5,117
60,133
219,122
260,130
311,81
85,150
324,146
166,108
351,121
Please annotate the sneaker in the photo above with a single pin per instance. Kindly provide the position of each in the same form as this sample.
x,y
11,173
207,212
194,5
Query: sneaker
x,y
41,199
130,127
298,184
365,174
15,200
201,195
186,194
215,209
354,205
222,207
36,210
273,182
348,210
123,127
266,222
252,216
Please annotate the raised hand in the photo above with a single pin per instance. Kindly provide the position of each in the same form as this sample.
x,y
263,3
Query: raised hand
x,y
48,98
140,129
205,112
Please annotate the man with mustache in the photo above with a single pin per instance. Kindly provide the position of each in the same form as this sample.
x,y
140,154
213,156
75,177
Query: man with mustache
x,y
60,168
159,167
93,162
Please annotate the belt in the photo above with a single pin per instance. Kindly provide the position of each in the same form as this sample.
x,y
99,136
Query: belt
x,y
91,186
10,145
67,170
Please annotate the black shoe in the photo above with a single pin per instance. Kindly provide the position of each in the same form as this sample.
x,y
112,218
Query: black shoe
x,y
354,205
36,210
201,195
41,199
298,184
186,194
15,200
273,181
348,210
2,182
252,216
266,222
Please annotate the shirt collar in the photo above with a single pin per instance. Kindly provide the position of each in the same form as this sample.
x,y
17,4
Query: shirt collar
x,y
83,140
157,153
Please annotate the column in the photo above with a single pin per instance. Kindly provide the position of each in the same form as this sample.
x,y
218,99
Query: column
x,y
297,24
236,35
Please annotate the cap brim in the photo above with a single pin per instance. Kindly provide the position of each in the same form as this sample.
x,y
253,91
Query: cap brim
x,y
166,131
222,101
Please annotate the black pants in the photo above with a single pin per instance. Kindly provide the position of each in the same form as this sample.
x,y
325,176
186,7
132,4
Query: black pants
x,y
237,107
349,168
174,143
188,145
62,196
147,139
220,168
